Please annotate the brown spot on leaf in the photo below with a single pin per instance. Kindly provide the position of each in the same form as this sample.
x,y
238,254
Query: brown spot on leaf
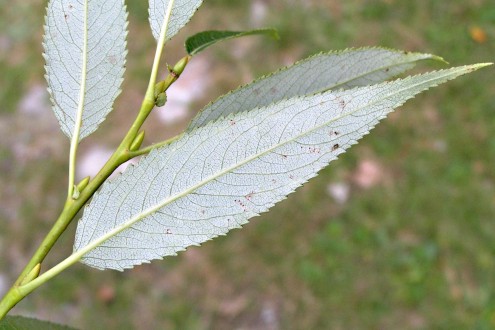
x,y
241,204
314,150
112,59
335,147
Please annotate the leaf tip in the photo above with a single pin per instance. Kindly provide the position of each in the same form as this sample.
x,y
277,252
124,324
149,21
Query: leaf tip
x,y
274,33
482,65
439,59
477,66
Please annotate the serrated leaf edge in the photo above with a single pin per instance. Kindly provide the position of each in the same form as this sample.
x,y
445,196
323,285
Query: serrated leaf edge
x,y
119,91
461,70
420,56
169,38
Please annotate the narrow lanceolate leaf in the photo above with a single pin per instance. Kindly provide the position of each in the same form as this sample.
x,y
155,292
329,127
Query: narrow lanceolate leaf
x,y
217,177
182,12
322,72
205,39
85,49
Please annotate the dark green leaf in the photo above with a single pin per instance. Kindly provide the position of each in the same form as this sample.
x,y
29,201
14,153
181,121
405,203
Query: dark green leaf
x,y
203,40
25,323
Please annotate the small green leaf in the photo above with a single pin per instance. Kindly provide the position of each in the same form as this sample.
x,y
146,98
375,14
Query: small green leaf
x,y
25,323
203,40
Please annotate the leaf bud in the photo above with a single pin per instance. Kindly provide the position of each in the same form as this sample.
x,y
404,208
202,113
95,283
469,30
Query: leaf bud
x,y
159,88
80,187
180,66
161,99
138,141
34,273
83,184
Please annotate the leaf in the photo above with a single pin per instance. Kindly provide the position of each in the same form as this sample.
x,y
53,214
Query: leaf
x,y
85,54
203,40
217,177
182,12
25,323
326,71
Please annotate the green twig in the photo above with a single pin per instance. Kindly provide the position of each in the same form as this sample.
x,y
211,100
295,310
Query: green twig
x,y
22,287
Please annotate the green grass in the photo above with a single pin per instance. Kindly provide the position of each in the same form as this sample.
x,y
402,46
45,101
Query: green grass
x,y
416,251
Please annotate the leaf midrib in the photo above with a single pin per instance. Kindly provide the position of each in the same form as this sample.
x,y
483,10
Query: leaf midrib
x,y
82,91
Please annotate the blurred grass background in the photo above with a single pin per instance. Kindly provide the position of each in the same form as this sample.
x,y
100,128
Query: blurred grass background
x,y
398,233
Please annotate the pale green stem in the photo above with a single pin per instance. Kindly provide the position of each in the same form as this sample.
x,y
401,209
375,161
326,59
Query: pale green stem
x,y
150,92
17,292
77,125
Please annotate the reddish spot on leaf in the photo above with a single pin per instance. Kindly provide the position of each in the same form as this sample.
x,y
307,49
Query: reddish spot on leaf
x,y
250,196
112,59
